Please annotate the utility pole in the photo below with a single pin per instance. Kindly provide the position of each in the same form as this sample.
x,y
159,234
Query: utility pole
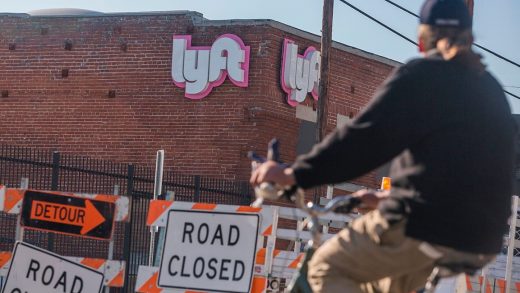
x,y
326,42
470,5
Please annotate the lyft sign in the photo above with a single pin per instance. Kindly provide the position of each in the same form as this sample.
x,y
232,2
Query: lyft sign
x,y
300,74
199,69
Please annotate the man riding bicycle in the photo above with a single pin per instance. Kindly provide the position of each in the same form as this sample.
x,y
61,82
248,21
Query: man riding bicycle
x,y
445,122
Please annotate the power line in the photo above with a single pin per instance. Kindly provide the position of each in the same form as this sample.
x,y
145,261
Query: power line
x,y
477,45
402,8
411,41
379,22
511,94
497,55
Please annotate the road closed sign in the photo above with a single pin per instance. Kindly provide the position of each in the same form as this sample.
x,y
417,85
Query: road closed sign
x,y
209,251
36,270
68,214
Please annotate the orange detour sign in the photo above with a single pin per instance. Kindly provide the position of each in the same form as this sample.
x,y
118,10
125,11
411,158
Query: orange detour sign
x,y
68,214
87,218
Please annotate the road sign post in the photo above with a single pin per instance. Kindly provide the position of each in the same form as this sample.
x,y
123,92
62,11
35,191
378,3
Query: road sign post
x,y
67,214
36,270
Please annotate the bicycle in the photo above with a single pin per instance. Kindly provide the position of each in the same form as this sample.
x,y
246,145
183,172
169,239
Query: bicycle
x,y
340,204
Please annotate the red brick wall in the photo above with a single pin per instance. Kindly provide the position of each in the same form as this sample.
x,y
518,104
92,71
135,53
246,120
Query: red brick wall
x,y
131,55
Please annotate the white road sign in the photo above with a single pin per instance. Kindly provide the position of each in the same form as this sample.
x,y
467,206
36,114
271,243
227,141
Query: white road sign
x,y
36,270
209,251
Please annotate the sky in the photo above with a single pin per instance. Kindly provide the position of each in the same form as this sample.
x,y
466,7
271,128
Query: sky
x,y
495,24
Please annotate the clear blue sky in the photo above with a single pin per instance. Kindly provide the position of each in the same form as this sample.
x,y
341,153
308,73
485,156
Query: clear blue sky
x,y
496,26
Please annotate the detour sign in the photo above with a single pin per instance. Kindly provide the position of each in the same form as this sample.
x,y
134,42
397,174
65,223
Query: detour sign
x,y
68,214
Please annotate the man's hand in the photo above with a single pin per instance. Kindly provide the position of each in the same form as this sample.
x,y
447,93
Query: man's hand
x,y
272,172
370,199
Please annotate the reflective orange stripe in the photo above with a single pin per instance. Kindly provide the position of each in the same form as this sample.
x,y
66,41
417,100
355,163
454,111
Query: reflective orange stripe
x,y
259,284
501,283
151,285
260,256
204,206
488,285
248,209
468,284
268,231
295,262
4,258
157,208
118,281
517,285
105,197
12,198
94,263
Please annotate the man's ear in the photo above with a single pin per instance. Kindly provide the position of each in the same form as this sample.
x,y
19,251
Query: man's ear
x,y
421,46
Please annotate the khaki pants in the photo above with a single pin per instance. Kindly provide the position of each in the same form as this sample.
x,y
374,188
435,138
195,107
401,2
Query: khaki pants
x,y
373,256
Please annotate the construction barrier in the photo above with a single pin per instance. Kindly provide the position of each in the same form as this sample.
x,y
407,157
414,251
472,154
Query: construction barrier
x,y
147,278
11,200
493,285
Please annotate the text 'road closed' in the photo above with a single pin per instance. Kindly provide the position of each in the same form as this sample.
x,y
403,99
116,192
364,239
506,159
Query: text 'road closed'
x,y
209,251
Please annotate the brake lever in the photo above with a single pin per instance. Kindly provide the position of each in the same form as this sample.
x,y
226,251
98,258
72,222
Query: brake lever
x,y
273,153
268,190
255,157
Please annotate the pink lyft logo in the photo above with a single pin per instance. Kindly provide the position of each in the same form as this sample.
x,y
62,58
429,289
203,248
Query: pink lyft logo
x,y
300,74
200,69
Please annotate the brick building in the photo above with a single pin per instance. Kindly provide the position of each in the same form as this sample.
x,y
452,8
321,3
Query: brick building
x,y
101,85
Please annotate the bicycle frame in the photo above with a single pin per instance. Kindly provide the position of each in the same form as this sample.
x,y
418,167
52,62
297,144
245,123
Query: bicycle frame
x,y
299,283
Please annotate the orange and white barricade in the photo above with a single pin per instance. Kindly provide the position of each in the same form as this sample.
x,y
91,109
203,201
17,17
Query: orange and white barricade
x,y
282,265
147,277
493,285
11,201
114,270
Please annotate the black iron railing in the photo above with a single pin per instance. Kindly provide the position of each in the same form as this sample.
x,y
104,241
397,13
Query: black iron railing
x,y
66,172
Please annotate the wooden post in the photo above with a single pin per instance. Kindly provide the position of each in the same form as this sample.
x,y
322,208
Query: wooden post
x,y
511,244
326,41
470,4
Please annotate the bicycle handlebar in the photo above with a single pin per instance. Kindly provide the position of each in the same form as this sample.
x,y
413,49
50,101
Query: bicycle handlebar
x,y
340,204
343,204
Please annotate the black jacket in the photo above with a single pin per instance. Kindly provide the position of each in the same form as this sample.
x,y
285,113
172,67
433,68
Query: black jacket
x,y
451,134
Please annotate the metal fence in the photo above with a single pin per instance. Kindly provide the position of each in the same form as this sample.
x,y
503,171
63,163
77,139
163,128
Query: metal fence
x,y
65,172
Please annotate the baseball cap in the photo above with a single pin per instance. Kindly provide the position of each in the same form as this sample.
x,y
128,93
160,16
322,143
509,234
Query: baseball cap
x,y
449,13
